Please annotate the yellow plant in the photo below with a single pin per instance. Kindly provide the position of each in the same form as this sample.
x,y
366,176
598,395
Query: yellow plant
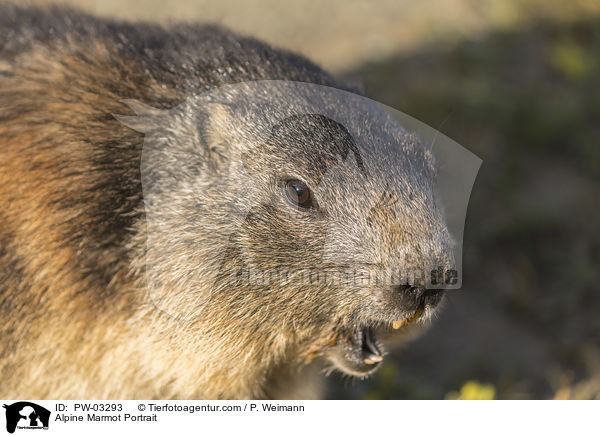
x,y
473,390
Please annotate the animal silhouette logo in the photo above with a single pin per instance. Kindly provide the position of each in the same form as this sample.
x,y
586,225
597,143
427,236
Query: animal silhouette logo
x,y
26,415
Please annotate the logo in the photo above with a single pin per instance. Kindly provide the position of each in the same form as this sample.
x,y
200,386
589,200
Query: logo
x,y
26,415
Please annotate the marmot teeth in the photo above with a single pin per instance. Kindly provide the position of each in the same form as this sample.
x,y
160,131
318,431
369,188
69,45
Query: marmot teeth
x,y
373,359
404,322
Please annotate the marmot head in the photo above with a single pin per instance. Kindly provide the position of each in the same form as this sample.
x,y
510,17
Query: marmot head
x,y
301,214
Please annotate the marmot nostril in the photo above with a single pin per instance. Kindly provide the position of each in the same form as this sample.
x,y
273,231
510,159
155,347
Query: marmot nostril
x,y
411,291
408,297
418,294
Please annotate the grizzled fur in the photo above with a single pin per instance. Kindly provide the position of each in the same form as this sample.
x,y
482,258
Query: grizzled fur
x,y
76,320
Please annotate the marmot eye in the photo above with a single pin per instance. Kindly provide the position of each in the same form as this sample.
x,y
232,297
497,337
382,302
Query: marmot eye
x,y
299,194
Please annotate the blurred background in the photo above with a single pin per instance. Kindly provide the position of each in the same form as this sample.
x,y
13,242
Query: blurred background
x,y
517,82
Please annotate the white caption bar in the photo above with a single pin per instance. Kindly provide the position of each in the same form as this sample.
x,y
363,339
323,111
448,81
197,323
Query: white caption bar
x,y
32,417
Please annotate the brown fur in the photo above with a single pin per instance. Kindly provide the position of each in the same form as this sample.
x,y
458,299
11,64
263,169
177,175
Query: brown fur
x,y
76,318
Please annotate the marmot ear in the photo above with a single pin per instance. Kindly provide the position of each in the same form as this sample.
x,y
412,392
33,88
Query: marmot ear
x,y
221,135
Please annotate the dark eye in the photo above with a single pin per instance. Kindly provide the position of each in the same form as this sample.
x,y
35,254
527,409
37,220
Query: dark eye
x,y
299,194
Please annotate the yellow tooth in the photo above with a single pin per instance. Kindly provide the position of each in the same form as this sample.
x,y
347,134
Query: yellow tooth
x,y
397,324
372,359
416,315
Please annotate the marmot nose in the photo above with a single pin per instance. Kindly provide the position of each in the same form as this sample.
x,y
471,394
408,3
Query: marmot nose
x,y
413,297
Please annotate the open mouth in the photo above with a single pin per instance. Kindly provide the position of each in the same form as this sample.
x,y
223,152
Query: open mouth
x,y
361,353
